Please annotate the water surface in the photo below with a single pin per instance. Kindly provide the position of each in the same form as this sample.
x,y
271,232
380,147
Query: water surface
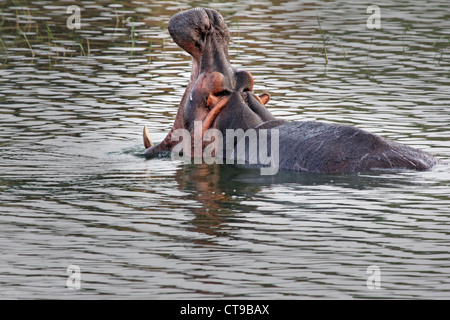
x,y
74,190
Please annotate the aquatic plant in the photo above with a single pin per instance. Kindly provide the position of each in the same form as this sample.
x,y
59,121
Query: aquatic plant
x,y
406,27
322,35
4,46
132,34
28,42
440,46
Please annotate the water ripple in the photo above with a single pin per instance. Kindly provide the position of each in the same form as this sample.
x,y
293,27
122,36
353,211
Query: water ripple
x,y
74,190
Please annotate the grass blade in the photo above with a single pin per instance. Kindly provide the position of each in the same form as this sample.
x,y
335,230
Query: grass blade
x,y
322,35
28,42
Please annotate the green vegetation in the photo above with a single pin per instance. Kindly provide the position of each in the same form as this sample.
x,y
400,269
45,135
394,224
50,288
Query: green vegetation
x,y
406,27
440,45
28,42
48,36
322,35
4,47
132,34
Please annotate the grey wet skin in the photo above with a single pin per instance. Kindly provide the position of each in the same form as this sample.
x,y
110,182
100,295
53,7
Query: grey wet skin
x,y
222,98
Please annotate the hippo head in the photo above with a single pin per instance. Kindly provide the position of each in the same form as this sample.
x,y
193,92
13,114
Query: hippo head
x,y
218,95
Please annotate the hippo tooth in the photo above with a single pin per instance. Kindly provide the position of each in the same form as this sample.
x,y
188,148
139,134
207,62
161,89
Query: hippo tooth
x,y
213,114
147,141
212,101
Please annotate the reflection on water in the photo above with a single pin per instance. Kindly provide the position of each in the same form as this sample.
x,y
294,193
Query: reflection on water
x,y
74,191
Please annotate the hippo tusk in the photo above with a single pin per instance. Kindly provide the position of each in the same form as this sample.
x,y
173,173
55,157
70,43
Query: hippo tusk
x,y
212,101
220,104
147,141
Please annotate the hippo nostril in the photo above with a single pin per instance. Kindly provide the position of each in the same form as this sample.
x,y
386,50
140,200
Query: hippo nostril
x,y
215,18
207,21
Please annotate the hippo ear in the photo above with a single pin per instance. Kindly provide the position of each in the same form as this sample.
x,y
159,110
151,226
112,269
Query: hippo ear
x,y
264,98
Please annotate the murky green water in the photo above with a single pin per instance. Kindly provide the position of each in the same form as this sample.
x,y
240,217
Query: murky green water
x,y
73,190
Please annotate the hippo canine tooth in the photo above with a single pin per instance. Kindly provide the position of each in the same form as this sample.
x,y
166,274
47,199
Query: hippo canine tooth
x,y
212,101
147,141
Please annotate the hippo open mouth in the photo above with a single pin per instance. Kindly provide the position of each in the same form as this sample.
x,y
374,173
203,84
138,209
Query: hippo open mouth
x,y
214,84
221,97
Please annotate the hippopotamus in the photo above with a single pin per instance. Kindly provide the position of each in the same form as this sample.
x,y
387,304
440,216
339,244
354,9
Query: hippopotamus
x,y
220,97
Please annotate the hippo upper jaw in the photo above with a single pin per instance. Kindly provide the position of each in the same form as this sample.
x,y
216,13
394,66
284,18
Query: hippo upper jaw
x,y
219,95
203,34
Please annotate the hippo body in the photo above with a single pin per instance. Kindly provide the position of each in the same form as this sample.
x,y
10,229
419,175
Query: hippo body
x,y
318,147
221,97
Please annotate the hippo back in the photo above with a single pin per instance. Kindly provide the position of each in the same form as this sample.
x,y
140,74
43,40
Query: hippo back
x,y
330,148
